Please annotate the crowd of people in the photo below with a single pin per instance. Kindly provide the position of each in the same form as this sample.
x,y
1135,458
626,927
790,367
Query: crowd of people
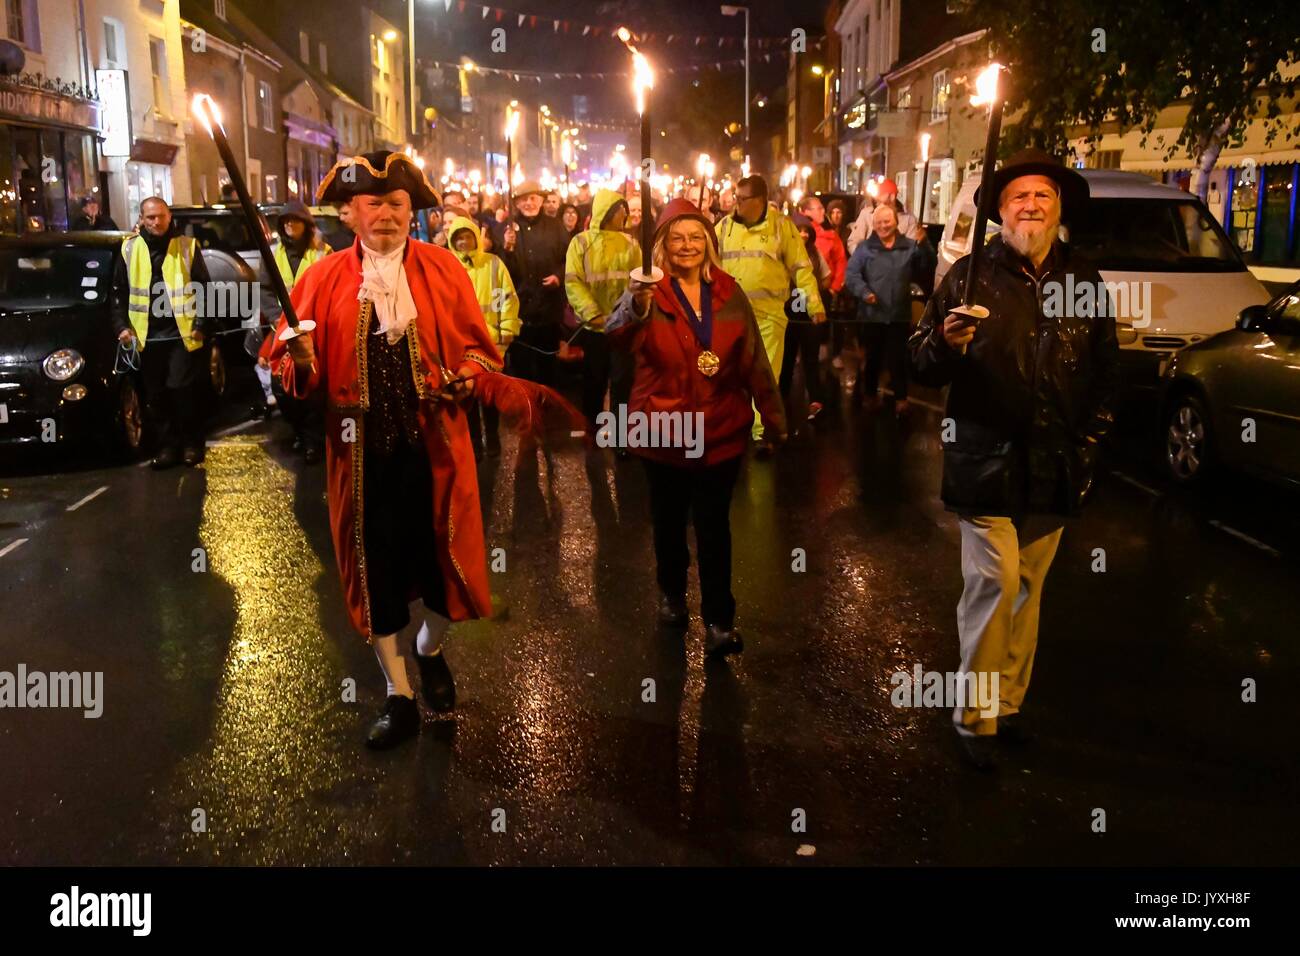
x,y
423,349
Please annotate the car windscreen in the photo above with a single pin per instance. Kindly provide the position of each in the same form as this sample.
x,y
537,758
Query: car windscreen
x,y
33,279
1152,235
228,232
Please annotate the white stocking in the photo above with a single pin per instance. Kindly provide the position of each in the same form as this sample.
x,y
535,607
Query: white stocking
x,y
428,641
393,666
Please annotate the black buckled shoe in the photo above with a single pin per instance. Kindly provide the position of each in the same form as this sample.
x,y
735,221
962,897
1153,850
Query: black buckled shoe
x,y
192,456
166,458
673,612
719,642
436,683
399,721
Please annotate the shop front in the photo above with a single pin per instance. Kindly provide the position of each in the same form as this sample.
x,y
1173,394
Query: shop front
x,y
49,134
310,151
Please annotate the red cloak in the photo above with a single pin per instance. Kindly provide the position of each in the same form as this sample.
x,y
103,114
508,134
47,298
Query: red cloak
x,y
449,332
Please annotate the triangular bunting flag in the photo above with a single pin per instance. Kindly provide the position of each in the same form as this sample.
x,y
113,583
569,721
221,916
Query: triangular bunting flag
x,y
522,16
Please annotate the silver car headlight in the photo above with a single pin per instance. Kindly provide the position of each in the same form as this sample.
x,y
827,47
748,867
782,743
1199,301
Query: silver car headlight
x,y
63,364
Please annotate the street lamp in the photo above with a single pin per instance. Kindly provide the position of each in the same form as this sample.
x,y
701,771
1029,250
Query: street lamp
x,y
728,10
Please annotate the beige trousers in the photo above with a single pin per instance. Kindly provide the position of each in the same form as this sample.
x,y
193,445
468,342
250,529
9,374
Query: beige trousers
x,y
1003,564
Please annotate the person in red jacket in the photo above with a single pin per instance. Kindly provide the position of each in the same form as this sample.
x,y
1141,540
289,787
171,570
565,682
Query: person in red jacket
x,y
398,344
700,361
828,240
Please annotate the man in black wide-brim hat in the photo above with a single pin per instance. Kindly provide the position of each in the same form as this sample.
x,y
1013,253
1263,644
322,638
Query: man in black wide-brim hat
x,y
1031,390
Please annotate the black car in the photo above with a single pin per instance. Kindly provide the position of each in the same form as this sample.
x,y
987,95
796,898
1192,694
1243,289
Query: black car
x,y
63,379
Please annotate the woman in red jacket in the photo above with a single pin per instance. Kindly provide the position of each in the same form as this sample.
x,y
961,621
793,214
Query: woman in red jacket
x,y
700,362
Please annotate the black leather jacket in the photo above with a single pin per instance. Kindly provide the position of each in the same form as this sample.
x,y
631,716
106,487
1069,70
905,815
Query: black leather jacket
x,y
1032,396
542,245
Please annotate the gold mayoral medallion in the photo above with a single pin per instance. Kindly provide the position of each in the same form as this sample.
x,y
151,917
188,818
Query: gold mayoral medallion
x,y
708,363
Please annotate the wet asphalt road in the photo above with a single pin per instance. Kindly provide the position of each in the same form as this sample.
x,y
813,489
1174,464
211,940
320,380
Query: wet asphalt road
x,y
223,688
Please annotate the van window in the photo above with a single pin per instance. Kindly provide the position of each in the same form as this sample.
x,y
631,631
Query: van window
x,y
1153,235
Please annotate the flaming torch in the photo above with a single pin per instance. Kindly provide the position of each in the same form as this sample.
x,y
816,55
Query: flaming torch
x,y
643,81
986,92
925,177
512,124
208,114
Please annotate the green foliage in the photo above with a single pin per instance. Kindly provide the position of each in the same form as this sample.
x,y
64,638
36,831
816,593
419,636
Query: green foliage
x,y
1229,62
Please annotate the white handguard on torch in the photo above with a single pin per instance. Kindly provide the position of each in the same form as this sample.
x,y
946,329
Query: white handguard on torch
x,y
300,346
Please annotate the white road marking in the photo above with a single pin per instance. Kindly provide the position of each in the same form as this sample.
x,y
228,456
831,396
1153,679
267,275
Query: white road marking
x,y
257,440
1136,484
90,497
1241,535
235,428
12,546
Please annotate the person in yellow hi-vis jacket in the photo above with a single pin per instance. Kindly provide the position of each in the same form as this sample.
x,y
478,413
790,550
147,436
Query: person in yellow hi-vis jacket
x,y
595,276
157,315
762,251
299,246
497,298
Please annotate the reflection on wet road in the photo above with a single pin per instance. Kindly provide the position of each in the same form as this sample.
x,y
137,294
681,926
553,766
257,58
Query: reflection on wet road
x,y
585,735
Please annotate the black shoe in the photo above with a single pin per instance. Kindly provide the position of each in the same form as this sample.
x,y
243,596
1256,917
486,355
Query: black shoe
x,y
192,456
436,684
399,721
978,752
1011,730
166,458
673,612
312,454
719,642
298,444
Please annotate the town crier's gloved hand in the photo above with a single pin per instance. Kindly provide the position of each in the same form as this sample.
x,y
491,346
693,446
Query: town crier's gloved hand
x,y
958,330
642,292
455,388
303,353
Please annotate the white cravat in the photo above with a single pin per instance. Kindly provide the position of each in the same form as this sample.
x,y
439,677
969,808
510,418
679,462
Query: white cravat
x,y
383,282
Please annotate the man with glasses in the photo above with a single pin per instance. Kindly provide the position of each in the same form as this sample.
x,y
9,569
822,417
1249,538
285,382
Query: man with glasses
x,y
762,251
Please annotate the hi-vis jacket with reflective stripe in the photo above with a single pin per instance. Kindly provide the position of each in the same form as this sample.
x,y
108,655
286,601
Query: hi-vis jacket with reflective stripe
x,y
311,256
176,268
597,265
493,286
766,259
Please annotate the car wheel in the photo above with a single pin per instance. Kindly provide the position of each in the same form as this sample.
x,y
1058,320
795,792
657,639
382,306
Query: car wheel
x,y
217,371
1188,441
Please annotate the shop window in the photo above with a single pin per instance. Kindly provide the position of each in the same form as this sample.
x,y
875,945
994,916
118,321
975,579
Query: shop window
x,y
272,185
219,8
1245,206
8,183
1275,220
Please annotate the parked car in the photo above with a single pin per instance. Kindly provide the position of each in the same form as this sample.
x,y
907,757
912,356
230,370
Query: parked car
x,y
223,228
1234,399
59,356
1136,230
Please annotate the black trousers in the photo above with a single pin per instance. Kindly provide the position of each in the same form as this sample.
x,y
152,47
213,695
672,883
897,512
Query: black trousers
x,y
603,367
171,377
803,339
483,421
704,495
537,364
886,344
397,533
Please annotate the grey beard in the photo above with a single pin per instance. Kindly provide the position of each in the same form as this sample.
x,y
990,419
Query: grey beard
x,y
1029,246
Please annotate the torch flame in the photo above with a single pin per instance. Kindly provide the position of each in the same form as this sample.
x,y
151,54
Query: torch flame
x,y
512,121
206,111
986,85
644,79
925,147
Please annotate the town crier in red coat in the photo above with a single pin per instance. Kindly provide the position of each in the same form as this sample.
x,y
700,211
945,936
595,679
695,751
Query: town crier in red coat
x,y
398,341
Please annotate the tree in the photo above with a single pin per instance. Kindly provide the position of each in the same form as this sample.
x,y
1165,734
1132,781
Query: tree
x,y
1079,64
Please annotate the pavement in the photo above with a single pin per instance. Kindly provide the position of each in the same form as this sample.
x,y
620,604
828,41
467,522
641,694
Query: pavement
x,y
209,600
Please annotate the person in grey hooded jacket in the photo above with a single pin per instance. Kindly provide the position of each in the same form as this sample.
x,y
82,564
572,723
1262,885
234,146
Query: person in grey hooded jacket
x,y
879,277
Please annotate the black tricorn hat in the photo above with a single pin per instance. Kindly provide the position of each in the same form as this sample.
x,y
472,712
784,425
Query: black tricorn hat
x,y
373,174
1072,187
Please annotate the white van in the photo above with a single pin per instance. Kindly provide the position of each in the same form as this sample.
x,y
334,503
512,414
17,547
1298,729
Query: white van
x,y
1135,230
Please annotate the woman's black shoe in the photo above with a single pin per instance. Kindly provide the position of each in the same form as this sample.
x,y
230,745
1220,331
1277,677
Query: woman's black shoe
x,y
166,458
978,752
719,642
673,612
436,683
399,721
1011,730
